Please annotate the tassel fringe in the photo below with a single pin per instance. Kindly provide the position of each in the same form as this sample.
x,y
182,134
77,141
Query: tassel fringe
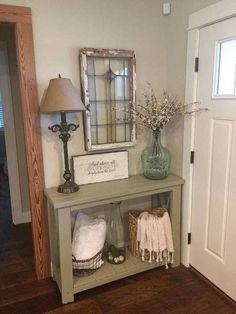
x,y
165,255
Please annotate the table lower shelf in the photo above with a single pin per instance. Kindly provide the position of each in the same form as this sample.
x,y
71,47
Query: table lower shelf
x,y
108,273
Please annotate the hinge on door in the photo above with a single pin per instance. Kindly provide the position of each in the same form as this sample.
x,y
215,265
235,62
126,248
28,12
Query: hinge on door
x,y
189,237
192,153
196,65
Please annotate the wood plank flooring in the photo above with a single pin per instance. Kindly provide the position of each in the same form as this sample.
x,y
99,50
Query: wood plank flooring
x,y
157,291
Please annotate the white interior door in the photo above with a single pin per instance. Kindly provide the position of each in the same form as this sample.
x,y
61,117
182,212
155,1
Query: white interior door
x,y
213,247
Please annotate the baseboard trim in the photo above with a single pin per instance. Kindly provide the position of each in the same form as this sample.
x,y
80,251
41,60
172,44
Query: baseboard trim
x,y
198,274
22,219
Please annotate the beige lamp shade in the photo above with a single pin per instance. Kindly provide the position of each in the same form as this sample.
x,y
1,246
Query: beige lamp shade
x,y
61,96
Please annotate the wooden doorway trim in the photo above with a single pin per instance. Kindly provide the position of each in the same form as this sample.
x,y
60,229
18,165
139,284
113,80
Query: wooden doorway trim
x,y
22,20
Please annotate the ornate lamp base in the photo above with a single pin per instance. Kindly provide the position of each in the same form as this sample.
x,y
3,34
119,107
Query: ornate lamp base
x,y
68,187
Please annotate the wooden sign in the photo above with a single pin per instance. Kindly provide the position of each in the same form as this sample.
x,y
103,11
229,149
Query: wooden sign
x,y
100,167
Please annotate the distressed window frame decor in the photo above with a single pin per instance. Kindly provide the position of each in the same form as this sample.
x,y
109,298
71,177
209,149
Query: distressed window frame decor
x,y
115,117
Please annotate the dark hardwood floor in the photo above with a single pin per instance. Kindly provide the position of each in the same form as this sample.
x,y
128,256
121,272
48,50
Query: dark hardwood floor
x,y
157,291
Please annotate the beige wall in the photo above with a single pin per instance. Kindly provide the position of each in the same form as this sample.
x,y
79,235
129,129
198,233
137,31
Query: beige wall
x,y
62,27
176,67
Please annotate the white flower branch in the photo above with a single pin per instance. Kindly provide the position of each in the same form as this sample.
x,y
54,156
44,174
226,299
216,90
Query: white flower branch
x,y
154,113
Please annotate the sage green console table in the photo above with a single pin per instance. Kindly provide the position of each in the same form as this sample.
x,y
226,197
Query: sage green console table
x,y
60,207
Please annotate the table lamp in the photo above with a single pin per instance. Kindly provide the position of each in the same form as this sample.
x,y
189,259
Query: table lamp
x,y
61,96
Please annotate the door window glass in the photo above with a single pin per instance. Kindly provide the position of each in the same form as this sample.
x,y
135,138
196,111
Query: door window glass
x,y
226,72
1,114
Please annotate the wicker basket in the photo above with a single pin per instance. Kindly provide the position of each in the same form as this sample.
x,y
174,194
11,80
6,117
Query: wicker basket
x,y
133,216
87,267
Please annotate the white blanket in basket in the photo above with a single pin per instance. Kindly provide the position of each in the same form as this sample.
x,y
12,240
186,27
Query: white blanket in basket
x,y
88,239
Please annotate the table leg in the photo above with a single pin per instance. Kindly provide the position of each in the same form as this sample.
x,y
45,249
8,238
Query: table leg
x,y
65,253
52,238
175,219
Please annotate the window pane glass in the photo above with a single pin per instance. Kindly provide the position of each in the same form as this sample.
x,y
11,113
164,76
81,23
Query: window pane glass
x,y
102,134
119,87
94,135
120,132
90,66
101,89
101,65
227,68
117,66
102,111
93,113
127,87
92,88
1,114
126,67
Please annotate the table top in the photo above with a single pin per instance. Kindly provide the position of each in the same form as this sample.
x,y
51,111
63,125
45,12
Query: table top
x,y
100,193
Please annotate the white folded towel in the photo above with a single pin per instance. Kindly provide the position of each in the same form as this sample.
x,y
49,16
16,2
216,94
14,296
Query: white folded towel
x,y
154,234
88,239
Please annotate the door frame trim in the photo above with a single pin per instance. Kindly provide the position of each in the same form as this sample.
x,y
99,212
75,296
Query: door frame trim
x,y
21,18
220,11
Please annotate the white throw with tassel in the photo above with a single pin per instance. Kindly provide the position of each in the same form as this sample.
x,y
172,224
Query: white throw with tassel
x,y
154,234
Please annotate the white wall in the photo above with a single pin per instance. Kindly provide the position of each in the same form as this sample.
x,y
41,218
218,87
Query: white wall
x,y
62,27
176,67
